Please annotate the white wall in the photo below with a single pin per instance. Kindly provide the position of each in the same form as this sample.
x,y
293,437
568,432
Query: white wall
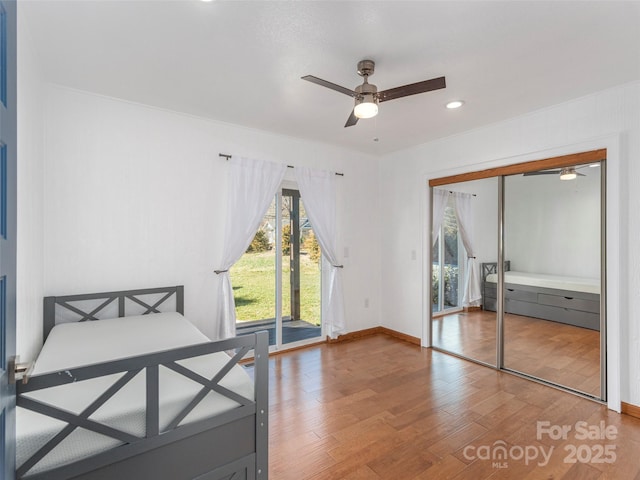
x,y
403,202
29,260
135,197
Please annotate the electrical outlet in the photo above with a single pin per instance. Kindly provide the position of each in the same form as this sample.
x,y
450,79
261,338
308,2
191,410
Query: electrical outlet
x,y
346,252
366,303
413,255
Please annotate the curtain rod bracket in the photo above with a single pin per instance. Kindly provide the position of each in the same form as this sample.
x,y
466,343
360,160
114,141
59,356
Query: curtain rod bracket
x,y
472,194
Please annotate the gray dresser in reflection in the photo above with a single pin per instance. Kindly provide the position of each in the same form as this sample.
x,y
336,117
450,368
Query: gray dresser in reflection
x,y
573,308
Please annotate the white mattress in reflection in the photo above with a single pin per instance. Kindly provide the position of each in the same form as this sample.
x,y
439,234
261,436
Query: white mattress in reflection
x,y
558,282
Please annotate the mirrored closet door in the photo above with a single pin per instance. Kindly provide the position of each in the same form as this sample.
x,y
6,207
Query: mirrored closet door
x,y
517,269
552,278
465,236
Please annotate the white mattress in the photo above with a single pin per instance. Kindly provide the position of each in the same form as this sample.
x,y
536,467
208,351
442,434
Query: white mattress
x,y
574,284
77,344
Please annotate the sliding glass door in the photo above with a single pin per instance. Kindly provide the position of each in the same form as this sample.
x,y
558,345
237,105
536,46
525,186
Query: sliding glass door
x,y
301,272
277,281
447,264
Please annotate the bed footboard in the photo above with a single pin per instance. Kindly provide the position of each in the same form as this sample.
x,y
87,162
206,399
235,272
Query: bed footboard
x,y
233,442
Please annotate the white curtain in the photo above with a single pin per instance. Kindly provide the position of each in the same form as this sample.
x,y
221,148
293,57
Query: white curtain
x,y
318,192
252,186
464,215
440,198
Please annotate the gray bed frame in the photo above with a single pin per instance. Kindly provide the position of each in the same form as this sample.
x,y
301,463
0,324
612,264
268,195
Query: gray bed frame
x,y
233,444
564,306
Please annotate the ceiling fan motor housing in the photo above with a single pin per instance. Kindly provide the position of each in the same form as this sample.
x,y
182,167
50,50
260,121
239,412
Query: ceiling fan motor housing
x,y
366,89
366,92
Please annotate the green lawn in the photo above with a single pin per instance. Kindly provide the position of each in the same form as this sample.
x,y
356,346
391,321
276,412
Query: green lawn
x,y
254,288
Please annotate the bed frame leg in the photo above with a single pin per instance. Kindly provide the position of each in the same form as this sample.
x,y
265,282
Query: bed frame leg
x,y
262,405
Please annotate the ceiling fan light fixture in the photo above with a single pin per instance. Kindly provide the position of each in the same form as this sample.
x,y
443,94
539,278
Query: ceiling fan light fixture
x,y
366,107
568,173
367,96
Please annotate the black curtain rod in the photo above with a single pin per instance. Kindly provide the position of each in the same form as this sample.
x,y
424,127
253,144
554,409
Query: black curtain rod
x,y
473,194
227,156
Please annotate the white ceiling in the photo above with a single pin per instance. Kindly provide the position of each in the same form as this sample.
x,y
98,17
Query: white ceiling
x,y
240,62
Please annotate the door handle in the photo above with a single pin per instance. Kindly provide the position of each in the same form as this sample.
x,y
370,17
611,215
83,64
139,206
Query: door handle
x,y
16,370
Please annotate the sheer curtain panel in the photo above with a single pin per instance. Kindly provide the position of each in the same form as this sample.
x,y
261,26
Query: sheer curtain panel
x,y
318,191
252,186
440,198
464,215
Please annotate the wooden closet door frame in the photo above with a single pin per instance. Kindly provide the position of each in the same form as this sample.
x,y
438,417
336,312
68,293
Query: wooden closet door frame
x,y
525,167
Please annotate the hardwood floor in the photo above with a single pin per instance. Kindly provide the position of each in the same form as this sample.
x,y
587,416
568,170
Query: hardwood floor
x,y
470,334
553,351
381,408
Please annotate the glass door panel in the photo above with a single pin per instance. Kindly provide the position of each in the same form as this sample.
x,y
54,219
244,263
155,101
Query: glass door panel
x,y
253,279
448,263
301,272
463,320
552,248
285,301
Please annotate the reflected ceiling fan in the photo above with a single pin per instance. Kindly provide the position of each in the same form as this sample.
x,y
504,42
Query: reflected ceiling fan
x,y
367,96
566,173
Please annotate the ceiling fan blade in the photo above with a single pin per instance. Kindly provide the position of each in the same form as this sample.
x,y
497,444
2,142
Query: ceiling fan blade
x,y
590,164
352,120
332,86
412,89
541,172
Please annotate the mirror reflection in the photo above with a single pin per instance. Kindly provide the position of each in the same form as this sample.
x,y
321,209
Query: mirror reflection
x,y
464,235
552,222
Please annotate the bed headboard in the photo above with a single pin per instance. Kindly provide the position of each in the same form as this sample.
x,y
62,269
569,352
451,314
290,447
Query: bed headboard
x,y
88,306
492,267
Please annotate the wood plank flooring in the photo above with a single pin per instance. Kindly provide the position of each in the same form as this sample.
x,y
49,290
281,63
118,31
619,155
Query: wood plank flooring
x,y
556,352
380,408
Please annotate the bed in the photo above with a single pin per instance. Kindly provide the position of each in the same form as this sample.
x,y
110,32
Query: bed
x,y
141,393
571,300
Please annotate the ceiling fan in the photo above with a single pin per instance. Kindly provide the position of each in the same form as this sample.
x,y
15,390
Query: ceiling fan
x,y
566,173
367,96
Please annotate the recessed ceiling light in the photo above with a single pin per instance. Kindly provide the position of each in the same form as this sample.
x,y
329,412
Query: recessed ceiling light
x,y
455,104
593,165
207,1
